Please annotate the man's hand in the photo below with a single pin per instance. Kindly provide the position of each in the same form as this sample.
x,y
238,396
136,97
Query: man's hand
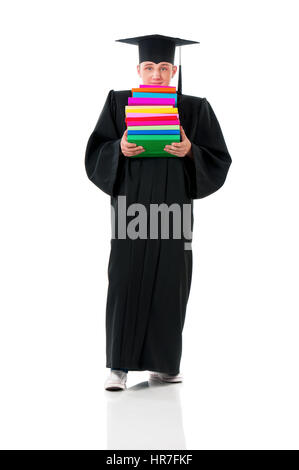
x,y
128,148
180,149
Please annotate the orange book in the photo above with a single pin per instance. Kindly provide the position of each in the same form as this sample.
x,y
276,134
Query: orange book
x,y
155,90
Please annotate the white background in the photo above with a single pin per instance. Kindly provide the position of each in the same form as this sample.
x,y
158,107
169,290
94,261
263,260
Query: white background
x,y
59,59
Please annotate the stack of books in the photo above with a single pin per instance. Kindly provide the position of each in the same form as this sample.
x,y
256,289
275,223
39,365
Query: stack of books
x,y
152,119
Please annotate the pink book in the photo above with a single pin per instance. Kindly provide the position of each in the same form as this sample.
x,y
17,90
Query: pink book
x,y
132,115
154,123
153,101
155,86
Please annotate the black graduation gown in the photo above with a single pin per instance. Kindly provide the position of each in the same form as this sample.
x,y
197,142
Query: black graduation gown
x,y
150,279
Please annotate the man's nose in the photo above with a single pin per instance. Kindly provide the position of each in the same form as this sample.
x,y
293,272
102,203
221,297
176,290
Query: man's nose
x,y
157,73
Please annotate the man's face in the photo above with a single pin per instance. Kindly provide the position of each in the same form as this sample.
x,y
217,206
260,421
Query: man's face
x,y
156,74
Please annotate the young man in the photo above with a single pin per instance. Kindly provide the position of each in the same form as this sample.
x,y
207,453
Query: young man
x,y
150,276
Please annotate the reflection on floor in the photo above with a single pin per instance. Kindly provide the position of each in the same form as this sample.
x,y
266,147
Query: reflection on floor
x,y
147,415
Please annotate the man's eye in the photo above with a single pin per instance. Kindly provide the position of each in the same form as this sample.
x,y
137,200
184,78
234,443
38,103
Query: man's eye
x,y
148,68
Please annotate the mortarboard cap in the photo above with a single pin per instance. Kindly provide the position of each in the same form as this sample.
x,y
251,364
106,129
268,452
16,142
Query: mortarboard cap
x,y
158,48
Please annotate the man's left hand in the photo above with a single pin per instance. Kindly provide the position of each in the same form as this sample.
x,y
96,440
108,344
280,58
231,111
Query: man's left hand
x,y
180,149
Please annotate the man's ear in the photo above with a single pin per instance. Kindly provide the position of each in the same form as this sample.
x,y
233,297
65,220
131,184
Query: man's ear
x,y
174,70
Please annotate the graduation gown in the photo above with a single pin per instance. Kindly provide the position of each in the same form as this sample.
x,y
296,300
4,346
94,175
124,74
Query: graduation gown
x,y
149,279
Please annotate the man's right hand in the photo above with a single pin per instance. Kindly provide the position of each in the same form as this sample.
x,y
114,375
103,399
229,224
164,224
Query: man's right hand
x,y
128,148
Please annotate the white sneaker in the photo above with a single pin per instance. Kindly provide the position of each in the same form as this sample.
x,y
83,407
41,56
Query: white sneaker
x,y
116,380
166,377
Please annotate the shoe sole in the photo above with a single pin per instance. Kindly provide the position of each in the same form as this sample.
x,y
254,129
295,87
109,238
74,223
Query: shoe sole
x,y
115,387
157,377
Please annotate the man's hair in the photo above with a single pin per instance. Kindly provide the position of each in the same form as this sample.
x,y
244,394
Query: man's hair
x,y
145,61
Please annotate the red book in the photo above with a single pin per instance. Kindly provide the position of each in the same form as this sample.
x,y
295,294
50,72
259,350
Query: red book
x,y
154,123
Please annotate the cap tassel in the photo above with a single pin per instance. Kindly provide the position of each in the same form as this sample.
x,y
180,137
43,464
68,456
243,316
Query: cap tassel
x,y
180,74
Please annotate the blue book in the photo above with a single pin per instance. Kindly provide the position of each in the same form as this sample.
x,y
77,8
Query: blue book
x,y
157,131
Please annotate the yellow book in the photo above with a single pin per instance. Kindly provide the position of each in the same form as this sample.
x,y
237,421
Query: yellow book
x,y
138,106
149,109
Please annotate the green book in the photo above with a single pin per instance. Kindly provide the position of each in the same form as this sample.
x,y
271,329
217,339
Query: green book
x,y
157,127
154,137
153,144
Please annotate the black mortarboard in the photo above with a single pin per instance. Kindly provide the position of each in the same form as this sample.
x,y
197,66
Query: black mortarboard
x,y
157,48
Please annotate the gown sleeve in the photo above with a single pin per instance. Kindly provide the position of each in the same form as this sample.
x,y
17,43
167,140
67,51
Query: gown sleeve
x,y
103,156
207,170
